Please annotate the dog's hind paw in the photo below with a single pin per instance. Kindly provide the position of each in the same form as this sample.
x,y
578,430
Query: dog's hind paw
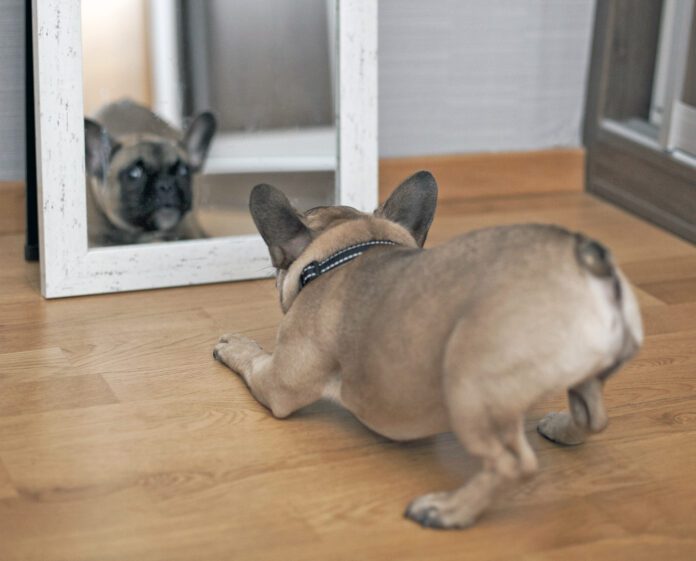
x,y
436,510
559,428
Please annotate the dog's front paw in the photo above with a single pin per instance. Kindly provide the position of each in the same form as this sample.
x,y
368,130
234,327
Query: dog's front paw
x,y
436,510
219,347
232,348
560,429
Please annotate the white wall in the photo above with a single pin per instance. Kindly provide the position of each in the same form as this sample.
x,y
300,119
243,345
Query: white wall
x,y
455,76
481,75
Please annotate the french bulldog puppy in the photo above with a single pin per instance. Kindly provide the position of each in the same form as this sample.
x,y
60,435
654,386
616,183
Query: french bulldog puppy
x,y
140,174
465,336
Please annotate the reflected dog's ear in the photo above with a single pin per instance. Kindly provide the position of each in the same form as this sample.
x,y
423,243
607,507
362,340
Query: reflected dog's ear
x,y
412,205
198,137
279,224
99,146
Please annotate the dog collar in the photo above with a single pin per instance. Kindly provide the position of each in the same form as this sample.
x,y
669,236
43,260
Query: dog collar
x,y
318,268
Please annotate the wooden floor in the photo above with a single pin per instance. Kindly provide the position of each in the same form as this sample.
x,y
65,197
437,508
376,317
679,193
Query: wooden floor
x,y
121,438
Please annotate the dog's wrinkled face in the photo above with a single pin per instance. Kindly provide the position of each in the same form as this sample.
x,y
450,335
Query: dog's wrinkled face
x,y
149,185
145,182
288,232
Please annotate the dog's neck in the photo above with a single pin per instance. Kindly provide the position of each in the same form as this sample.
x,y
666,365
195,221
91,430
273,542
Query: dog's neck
x,y
317,268
330,242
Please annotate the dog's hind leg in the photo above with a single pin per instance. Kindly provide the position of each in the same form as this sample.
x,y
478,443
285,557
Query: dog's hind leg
x,y
294,376
586,412
485,403
506,456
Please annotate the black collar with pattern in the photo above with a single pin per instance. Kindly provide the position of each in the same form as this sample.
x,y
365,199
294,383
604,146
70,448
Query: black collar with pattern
x,y
318,268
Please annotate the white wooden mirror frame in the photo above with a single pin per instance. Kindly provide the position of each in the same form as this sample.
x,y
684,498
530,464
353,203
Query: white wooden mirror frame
x,y
69,267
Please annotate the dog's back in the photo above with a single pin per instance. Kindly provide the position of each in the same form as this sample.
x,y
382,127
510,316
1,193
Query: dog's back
x,y
518,310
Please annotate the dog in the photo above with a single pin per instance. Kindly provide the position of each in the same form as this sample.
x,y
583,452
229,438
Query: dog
x,y
140,174
465,336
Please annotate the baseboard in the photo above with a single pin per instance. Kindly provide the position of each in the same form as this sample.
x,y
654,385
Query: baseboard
x,y
12,208
460,176
471,176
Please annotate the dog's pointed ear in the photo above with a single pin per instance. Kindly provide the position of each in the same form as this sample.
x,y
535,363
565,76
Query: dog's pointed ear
x,y
99,146
279,225
198,137
412,205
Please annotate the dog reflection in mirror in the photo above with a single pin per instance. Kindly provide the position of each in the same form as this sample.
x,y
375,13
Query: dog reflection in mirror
x,y
140,174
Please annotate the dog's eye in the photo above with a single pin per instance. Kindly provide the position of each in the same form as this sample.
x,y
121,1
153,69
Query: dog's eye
x,y
136,172
182,169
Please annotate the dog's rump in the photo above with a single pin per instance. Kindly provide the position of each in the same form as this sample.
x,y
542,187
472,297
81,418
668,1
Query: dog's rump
x,y
584,320
597,259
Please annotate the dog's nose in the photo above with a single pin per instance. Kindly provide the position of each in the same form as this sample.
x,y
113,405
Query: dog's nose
x,y
166,193
164,187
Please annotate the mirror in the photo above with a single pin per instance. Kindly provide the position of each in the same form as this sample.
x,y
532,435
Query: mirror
x,y
189,104
338,154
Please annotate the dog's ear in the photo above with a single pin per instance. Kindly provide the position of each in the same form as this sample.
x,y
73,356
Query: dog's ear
x,y
99,146
279,225
412,205
198,137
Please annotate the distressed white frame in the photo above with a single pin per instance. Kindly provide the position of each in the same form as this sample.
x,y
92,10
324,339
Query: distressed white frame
x,y
69,267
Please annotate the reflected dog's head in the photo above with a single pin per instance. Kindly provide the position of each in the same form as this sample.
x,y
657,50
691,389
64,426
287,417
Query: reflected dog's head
x,y
142,181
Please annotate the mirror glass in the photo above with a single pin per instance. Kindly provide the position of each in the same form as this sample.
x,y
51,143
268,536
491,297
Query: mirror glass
x,y
189,104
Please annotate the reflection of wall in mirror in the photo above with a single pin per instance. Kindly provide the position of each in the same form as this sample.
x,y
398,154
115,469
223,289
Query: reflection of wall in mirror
x,y
115,53
269,64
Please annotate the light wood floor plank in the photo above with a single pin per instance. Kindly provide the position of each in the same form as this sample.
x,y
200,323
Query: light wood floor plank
x,y
65,392
7,489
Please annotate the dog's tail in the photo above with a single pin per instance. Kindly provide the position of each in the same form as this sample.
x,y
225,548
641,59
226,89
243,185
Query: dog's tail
x,y
593,256
597,260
